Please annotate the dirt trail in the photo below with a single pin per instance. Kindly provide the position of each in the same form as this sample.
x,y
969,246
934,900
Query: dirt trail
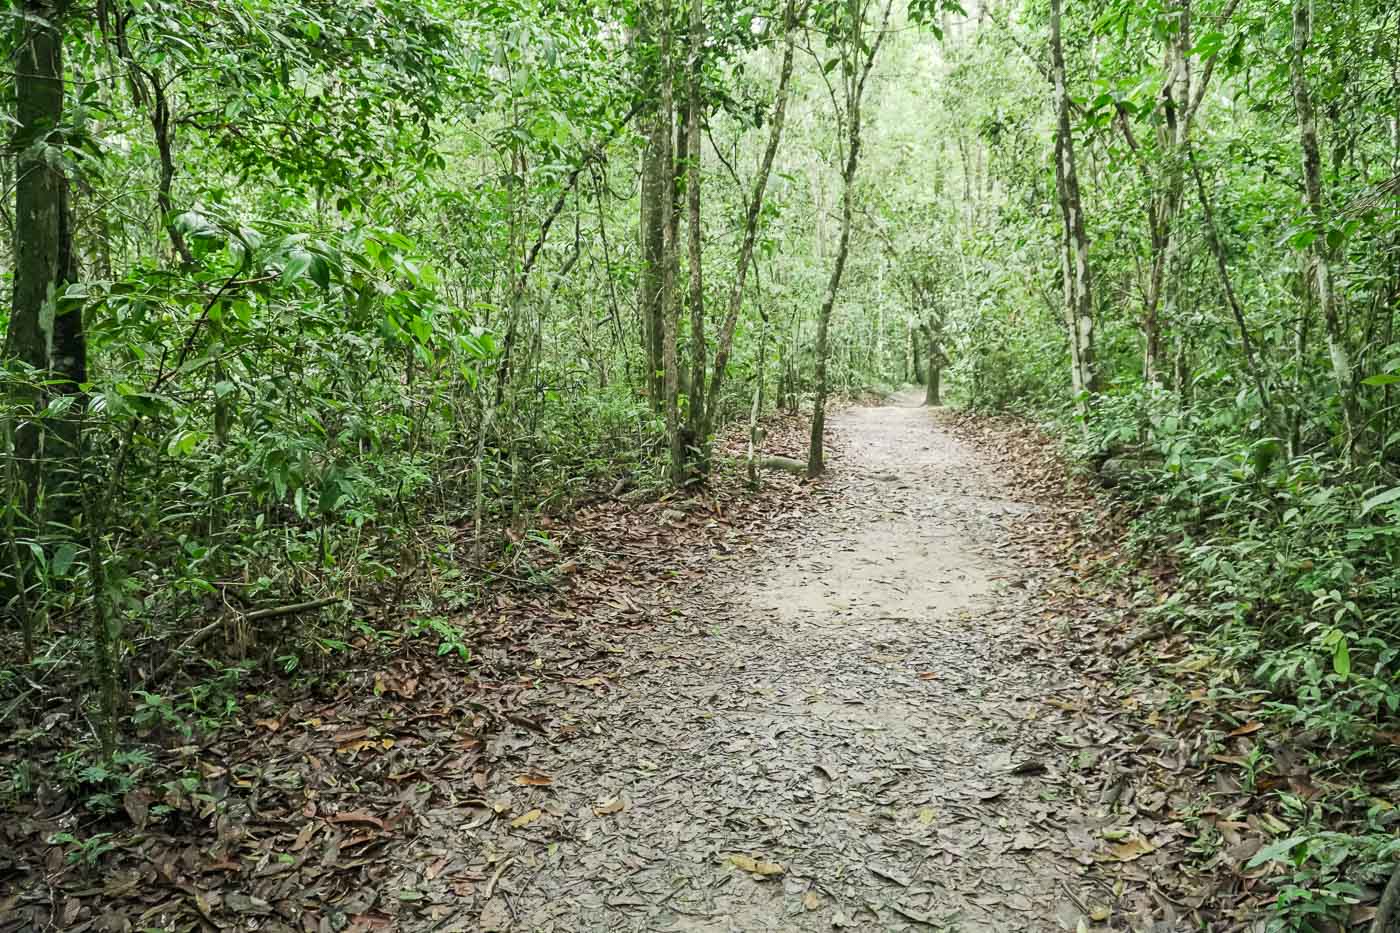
x,y
861,706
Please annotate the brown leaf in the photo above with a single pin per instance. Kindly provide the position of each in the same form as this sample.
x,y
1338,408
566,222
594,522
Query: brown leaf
x,y
1134,848
607,807
304,837
137,804
534,779
1248,728
358,816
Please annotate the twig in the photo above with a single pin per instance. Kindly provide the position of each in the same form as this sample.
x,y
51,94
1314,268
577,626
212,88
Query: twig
x,y
490,888
293,609
204,634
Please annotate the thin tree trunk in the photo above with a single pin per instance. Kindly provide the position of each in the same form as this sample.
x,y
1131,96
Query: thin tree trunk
x,y
160,124
696,419
933,388
914,352
655,194
669,312
1079,304
725,341
1165,266
1300,355
1218,251
1322,253
854,76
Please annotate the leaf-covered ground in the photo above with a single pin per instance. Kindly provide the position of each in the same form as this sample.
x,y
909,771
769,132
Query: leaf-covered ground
x,y
879,702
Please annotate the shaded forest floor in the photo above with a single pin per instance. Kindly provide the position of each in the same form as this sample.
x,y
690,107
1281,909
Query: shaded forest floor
x,y
884,701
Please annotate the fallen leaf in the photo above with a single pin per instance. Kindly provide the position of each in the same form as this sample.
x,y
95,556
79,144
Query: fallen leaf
x,y
607,807
1134,848
137,804
756,866
534,779
304,837
525,819
1248,728
890,874
358,816
811,901
1024,841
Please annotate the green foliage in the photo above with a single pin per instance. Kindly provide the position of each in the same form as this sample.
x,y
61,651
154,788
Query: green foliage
x,y
449,636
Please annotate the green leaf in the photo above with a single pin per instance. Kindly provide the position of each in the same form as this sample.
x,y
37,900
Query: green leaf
x,y
63,558
1209,44
321,272
298,264
1384,379
184,444
1341,659
1281,851
1384,498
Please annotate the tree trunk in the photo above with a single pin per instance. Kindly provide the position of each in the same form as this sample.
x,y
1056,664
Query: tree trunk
x,y
855,72
815,463
655,200
696,420
1322,253
1212,236
160,125
725,340
1165,286
43,335
1079,304
914,353
670,320
933,388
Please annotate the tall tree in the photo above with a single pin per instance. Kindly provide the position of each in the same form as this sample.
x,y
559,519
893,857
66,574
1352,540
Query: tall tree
x,y
695,412
1320,249
44,334
655,203
856,54
744,258
1078,286
669,309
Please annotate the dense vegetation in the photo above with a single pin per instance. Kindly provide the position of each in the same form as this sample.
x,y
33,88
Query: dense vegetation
x,y
1227,268
313,299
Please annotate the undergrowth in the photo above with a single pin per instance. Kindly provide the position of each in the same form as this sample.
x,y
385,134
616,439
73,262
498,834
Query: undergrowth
x,y
1288,566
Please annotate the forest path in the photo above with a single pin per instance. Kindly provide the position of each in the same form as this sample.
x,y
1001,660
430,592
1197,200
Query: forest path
x,y
861,706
